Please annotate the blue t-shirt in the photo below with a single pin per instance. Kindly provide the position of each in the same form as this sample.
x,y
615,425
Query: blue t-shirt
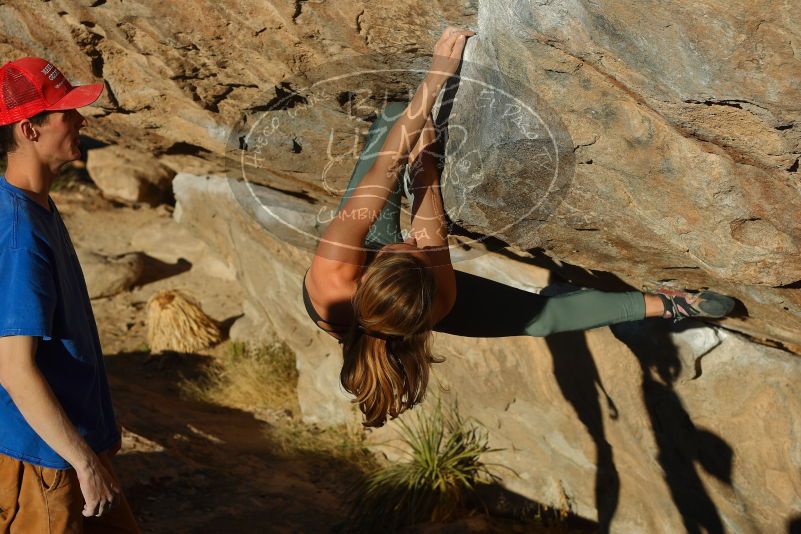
x,y
43,294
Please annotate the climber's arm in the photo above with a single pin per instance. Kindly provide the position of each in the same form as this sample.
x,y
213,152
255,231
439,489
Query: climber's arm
x,y
430,228
342,241
340,251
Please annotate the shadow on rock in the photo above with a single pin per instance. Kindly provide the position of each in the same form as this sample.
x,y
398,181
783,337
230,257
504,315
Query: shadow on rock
x,y
226,324
580,383
681,444
501,503
485,308
155,270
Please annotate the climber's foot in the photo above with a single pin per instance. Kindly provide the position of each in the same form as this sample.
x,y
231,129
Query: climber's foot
x,y
683,304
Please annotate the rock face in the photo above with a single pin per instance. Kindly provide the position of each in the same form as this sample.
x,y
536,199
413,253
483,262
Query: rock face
x,y
644,426
271,273
129,176
174,244
685,138
179,75
648,429
107,276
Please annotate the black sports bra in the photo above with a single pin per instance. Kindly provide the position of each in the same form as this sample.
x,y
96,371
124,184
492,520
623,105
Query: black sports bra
x,y
338,329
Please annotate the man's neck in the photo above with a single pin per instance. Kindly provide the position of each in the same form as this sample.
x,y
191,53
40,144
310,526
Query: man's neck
x,y
32,177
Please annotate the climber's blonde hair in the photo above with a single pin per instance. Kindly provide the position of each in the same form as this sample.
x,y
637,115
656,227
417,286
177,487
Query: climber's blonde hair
x,y
387,353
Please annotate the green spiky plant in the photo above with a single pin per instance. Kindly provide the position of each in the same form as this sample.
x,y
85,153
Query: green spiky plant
x,y
442,471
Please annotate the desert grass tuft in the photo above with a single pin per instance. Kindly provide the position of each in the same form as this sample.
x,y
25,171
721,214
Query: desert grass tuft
x,y
252,378
263,379
442,470
175,322
343,443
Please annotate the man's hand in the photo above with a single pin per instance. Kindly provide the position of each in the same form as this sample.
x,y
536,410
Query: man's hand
x,y
98,486
31,393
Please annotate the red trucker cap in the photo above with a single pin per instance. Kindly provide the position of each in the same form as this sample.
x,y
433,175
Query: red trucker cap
x,y
31,85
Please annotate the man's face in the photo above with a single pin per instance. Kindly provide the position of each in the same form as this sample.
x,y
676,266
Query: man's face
x,y
58,137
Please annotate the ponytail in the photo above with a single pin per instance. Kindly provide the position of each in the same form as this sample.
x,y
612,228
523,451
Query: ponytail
x,y
387,376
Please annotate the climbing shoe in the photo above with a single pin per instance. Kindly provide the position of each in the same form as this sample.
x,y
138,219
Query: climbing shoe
x,y
683,304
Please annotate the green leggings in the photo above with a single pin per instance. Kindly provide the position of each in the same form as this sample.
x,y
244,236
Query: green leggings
x,y
485,308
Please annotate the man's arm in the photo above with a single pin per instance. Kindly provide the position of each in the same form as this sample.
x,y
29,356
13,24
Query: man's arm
x,y
31,393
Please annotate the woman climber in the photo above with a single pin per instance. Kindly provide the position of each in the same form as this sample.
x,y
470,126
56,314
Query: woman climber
x,y
381,296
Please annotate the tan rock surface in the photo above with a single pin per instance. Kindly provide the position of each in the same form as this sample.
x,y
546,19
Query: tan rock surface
x,y
107,276
685,139
684,123
129,176
271,274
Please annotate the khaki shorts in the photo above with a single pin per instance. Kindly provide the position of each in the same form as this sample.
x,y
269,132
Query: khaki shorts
x,y
35,499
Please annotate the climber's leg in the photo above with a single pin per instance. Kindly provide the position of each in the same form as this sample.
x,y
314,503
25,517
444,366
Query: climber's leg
x,y
586,309
485,308
386,228
654,307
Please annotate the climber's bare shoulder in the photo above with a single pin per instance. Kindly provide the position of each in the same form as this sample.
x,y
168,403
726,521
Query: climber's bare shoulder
x,y
331,285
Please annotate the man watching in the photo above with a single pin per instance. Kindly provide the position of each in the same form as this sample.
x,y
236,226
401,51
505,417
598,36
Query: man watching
x,y
57,424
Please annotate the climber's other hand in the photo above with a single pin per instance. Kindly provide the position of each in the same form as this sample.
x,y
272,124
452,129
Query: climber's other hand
x,y
448,51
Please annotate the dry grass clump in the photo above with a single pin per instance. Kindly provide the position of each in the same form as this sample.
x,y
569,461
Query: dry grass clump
x,y
175,322
251,378
263,379
339,442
